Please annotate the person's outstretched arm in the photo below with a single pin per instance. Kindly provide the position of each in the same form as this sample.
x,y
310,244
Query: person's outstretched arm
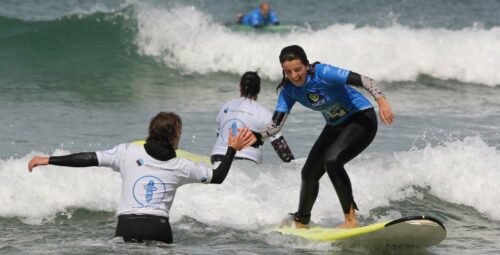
x,y
236,143
82,159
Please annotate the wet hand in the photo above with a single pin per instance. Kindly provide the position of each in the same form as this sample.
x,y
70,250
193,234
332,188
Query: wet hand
x,y
37,161
243,139
385,111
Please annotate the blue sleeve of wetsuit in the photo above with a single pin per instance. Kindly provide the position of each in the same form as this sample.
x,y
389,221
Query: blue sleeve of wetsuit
x,y
285,102
255,18
331,74
273,18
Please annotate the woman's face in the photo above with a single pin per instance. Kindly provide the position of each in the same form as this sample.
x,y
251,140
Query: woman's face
x,y
295,71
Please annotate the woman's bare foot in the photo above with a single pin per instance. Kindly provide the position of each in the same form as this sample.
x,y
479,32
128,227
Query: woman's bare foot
x,y
291,222
300,225
350,220
348,224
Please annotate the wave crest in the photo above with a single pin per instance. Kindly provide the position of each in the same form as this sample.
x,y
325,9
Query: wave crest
x,y
186,38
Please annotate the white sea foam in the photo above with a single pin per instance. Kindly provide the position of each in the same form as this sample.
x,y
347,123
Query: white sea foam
x,y
49,190
463,172
186,38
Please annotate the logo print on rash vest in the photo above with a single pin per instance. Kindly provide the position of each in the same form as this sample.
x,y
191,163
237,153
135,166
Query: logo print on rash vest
x,y
140,162
145,189
336,112
230,123
315,99
150,189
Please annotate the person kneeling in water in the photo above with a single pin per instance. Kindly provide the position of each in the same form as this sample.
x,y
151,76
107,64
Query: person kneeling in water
x,y
151,174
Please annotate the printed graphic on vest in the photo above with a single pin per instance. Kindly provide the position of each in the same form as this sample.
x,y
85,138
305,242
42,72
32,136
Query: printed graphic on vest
x,y
315,99
336,112
230,123
140,162
149,191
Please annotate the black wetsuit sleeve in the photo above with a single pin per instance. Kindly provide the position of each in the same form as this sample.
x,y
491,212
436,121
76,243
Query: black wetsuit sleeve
x,y
282,149
82,159
220,173
354,79
279,118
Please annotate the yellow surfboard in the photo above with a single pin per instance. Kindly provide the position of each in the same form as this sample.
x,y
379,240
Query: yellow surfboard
x,y
414,231
186,154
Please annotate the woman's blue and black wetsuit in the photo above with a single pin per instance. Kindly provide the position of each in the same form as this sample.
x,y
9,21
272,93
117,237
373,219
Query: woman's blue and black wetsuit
x,y
351,125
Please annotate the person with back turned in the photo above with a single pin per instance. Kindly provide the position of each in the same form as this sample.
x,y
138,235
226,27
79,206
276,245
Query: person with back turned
x,y
242,112
151,174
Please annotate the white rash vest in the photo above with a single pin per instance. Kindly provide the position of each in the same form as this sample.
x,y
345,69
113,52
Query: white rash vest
x,y
149,185
241,112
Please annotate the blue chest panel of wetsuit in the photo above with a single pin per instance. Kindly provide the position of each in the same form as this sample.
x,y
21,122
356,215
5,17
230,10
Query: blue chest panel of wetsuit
x,y
255,18
326,91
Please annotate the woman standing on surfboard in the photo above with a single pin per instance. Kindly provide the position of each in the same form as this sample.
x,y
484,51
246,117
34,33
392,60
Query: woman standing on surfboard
x,y
351,124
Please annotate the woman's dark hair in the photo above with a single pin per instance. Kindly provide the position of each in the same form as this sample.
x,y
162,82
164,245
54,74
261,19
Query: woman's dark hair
x,y
290,53
250,84
164,129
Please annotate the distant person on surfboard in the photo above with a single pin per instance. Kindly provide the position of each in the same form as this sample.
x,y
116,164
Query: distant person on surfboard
x,y
246,112
259,17
351,124
151,173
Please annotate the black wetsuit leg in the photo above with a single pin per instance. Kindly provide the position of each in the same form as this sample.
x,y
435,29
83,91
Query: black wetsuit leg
x,y
353,137
312,171
335,146
139,228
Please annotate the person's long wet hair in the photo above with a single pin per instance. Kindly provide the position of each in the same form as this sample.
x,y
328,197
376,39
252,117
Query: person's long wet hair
x,y
250,85
290,53
164,129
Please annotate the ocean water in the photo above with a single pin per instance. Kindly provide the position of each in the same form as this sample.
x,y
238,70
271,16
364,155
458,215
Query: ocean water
x,y
87,75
